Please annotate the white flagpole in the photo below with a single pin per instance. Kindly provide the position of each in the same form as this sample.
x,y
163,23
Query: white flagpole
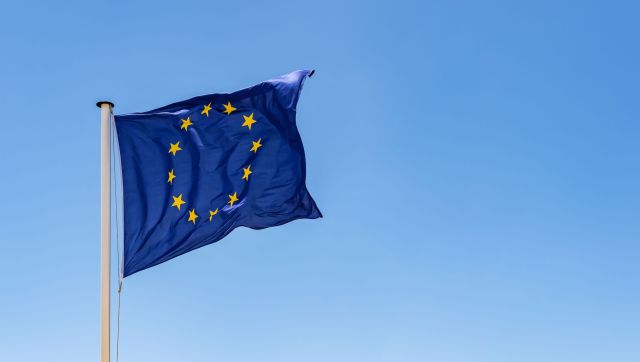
x,y
105,230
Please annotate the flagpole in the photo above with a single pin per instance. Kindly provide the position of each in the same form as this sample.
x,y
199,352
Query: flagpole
x,y
105,230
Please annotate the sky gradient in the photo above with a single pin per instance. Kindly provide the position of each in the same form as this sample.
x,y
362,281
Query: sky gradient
x,y
477,165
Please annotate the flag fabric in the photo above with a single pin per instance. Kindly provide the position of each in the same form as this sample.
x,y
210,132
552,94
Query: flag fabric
x,y
195,170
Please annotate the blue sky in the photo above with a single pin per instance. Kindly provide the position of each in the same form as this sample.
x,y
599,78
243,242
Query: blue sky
x,y
477,164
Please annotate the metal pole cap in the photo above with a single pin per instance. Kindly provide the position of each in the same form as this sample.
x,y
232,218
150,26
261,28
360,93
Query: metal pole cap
x,y
100,103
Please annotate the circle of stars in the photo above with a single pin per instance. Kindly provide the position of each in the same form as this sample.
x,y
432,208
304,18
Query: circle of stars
x,y
174,148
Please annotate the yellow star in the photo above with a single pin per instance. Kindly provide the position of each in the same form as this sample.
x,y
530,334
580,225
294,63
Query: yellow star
x,y
177,201
175,147
228,108
256,145
233,198
171,177
186,123
247,172
206,109
193,216
212,214
248,121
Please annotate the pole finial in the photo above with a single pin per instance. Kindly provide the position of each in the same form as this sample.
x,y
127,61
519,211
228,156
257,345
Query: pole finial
x,y
100,103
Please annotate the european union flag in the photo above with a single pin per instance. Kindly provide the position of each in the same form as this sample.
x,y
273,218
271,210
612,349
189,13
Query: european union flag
x,y
195,170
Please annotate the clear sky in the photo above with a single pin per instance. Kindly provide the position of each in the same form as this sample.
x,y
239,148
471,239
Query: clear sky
x,y
477,164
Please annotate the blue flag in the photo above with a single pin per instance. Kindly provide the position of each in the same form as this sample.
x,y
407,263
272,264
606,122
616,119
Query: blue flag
x,y
194,170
